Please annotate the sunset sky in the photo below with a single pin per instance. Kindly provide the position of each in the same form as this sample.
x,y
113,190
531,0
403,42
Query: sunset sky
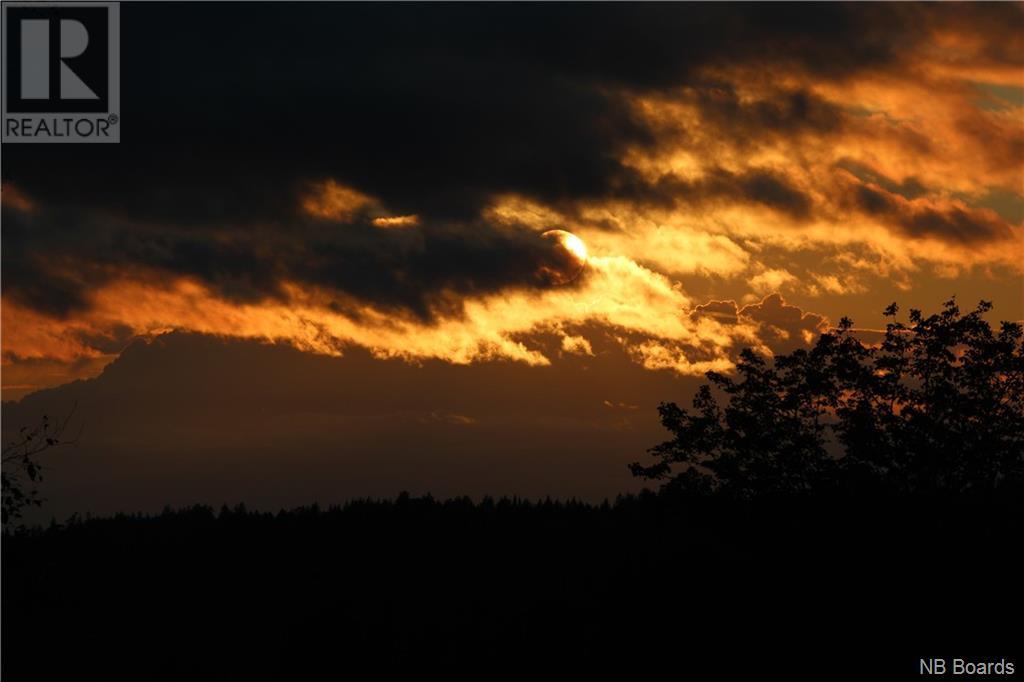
x,y
365,187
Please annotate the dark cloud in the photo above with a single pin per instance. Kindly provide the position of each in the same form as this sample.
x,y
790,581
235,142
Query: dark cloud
x,y
423,271
725,312
952,223
874,201
910,188
963,225
28,280
784,327
230,111
431,108
787,112
759,186
768,189
110,341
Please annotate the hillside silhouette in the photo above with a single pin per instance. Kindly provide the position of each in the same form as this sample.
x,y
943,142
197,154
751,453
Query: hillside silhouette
x,y
834,513
278,428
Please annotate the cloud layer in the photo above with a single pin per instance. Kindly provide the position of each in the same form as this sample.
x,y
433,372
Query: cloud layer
x,y
380,176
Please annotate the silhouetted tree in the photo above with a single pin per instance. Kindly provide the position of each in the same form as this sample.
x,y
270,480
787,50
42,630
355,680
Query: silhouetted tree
x,y
937,406
21,469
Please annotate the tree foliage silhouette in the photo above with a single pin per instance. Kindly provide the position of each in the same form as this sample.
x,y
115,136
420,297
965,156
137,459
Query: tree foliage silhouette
x,y
21,468
937,406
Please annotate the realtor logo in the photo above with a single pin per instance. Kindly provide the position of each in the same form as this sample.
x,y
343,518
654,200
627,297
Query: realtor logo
x,y
61,72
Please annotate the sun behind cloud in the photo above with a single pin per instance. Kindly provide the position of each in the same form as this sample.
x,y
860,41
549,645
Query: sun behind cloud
x,y
568,257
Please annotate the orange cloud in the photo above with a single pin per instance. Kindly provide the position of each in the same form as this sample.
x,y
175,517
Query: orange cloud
x,y
754,179
615,293
397,221
13,197
334,201
577,345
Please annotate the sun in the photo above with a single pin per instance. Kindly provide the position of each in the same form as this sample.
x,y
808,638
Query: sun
x,y
566,259
575,246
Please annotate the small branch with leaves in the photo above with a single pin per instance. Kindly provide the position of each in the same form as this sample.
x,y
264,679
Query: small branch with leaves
x,y
21,470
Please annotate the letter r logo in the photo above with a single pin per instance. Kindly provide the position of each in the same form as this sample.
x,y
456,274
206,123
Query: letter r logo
x,y
36,56
59,57
61,71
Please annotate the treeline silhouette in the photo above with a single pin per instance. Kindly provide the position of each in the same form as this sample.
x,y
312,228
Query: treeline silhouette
x,y
705,586
835,513
936,406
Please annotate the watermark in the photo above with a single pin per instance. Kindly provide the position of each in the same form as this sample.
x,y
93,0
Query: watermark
x,y
941,667
61,72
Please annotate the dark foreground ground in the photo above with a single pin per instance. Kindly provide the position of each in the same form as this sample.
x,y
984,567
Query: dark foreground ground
x,y
821,589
